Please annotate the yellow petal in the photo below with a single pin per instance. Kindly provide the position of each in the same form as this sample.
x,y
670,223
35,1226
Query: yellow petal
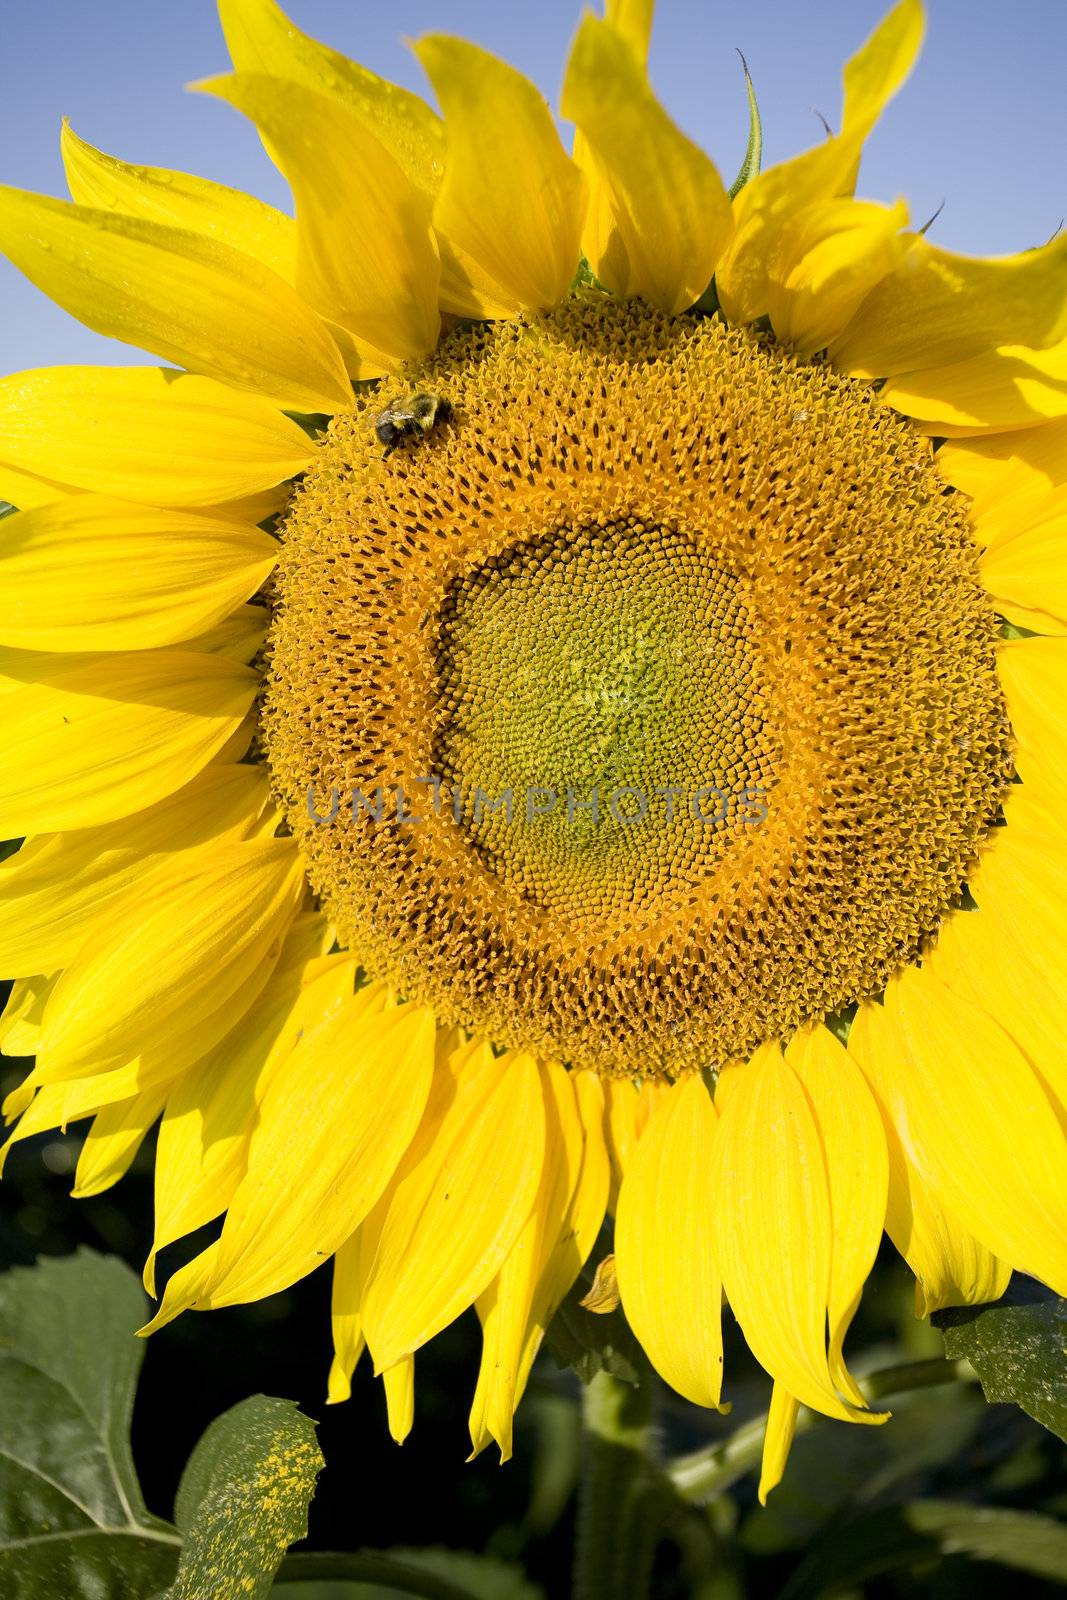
x,y
939,308
23,490
44,1112
181,295
202,1149
1021,882
94,738
857,1169
113,1140
1008,387
1015,479
179,200
772,1227
142,992
1035,824
350,1266
1027,574
978,1124
951,1268
352,1263
777,1440
20,1028
761,210
874,74
1033,674
628,1107
184,1289
366,254
986,959
237,637
59,889
590,1199
399,1381
84,1097
827,259
632,20
601,240
765,205
670,214
459,1202
92,573
146,434
335,1120
576,1238
509,209
262,39
252,509
507,1306
581,1227
21,1096
669,1282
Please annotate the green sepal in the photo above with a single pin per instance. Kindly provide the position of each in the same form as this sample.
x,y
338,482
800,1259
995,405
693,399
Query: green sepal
x,y
586,278
750,166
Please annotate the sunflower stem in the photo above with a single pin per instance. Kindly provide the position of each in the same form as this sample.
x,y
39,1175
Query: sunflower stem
x,y
620,1503
705,1473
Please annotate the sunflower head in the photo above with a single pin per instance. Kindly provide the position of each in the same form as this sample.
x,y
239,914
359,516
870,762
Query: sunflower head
x,y
594,682
559,649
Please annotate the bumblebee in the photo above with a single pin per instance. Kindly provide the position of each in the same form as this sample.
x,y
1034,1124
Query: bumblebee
x,y
410,418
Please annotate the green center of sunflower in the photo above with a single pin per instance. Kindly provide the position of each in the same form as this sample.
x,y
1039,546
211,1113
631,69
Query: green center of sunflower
x,y
598,713
654,690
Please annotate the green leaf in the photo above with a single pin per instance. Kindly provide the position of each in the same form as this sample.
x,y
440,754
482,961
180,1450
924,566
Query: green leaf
x,y
925,1530
72,1519
73,1522
244,1498
1016,1346
750,166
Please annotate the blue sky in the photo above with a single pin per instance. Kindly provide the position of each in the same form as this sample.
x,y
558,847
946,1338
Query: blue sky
x,y
981,125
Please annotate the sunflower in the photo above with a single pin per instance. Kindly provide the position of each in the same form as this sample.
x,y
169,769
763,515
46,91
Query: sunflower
x,y
548,707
